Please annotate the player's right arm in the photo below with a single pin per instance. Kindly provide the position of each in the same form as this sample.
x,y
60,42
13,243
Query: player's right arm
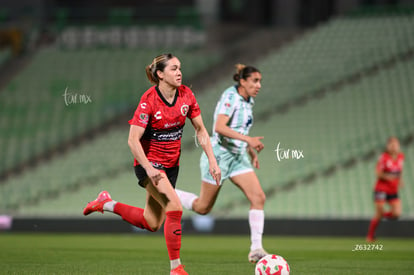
x,y
386,176
135,134
223,129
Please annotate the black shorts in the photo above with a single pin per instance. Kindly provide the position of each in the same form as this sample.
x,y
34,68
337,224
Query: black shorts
x,y
383,196
172,174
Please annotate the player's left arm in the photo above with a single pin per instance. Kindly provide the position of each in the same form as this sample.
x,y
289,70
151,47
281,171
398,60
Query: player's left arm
x,y
401,183
204,140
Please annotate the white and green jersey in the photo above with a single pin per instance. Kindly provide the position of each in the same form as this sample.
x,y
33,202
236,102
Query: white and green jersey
x,y
240,111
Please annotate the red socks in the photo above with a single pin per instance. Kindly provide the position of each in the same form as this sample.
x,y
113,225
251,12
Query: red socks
x,y
172,225
372,227
133,215
172,233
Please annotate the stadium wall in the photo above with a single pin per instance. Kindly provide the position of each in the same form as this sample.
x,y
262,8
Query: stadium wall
x,y
292,227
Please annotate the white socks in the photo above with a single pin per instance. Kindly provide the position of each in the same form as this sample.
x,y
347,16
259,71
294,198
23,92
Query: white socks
x,y
109,206
256,222
186,198
256,218
175,263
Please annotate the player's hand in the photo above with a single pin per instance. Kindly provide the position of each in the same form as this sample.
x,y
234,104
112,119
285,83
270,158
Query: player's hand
x,y
255,162
255,143
401,184
155,175
215,173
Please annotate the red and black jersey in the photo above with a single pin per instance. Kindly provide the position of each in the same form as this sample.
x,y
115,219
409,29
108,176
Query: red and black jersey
x,y
163,123
392,167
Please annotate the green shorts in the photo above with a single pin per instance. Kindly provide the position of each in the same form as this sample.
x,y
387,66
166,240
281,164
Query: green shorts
x,y
230,164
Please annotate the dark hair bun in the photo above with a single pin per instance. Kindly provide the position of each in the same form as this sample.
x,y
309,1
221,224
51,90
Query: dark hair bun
x,y
236,77
243,72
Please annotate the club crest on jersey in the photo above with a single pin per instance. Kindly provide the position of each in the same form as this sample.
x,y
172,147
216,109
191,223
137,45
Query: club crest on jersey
x,y
158,115
143,117
157,165
184,109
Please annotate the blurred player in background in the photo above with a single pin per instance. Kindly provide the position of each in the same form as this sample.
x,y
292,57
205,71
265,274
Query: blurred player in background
x,y
232,147
388,170
155,142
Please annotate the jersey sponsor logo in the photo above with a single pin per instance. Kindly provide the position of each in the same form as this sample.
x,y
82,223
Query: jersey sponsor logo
x,y
184,109
227,105
158,115
143,117
173,124
168,135
395,172
143,105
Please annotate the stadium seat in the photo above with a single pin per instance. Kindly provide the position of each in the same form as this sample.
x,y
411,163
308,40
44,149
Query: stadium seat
x,y
35,106
330,130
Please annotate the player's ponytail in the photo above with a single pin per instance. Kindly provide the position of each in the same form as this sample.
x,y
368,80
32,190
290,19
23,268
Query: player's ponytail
x,y
151,77
158,64
243,72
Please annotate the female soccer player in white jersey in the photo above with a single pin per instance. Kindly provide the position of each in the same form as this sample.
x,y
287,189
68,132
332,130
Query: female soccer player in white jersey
x,y
155,142
232,146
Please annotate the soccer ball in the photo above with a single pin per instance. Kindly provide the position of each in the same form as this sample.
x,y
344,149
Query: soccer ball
x,y
272,265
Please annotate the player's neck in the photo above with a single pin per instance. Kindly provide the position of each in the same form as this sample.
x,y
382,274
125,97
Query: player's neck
x,y
393,155
243,92
167,91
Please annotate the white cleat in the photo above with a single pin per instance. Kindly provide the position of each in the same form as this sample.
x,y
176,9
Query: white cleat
x,y
256,255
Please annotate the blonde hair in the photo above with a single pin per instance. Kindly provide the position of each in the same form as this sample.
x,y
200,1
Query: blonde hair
x,y
158,64
243,72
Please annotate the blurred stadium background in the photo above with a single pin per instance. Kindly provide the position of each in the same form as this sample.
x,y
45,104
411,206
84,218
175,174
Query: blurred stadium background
x,y
337,81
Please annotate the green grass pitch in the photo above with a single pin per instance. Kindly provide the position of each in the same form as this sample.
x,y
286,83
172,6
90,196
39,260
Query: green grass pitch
x,y
147,254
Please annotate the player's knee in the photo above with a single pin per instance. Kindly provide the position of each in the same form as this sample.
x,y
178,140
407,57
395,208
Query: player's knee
x,y
204,210
379,214
155,226
395,216
259,200
174,206
262,198
201,207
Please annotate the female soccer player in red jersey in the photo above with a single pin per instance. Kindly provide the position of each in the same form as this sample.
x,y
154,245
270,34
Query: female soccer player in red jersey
x,y
389,169
236,153
155,142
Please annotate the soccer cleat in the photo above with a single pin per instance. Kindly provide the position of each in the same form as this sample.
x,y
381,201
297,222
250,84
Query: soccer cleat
x,y
256,255
179,270
97,204
370,239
